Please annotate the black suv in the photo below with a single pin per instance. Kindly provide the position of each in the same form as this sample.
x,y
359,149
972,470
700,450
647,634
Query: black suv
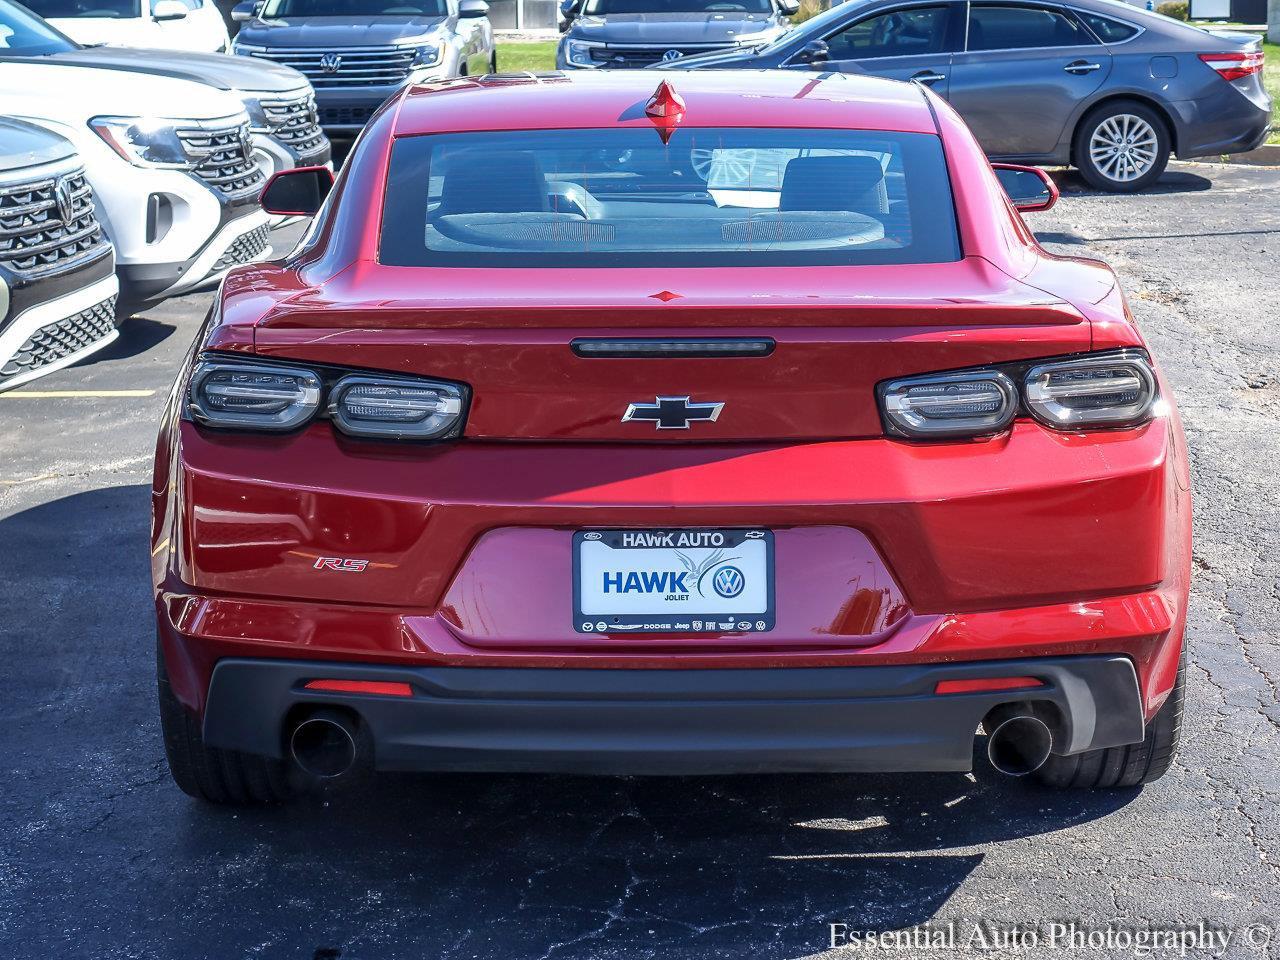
x,y
640,33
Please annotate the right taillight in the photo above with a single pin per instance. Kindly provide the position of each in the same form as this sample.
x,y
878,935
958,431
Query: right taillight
x,y
1115,388
1233,66
1107,390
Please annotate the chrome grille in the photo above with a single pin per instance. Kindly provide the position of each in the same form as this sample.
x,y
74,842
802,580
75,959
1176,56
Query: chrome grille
x,y
42,234
331,68
345,116
62,338
644,56
224,159
295,123
244,249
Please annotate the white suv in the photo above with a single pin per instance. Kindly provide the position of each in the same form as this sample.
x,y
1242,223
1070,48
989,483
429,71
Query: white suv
x,y
194,25
170,162
57,285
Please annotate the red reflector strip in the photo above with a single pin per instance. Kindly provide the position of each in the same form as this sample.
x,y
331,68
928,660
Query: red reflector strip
x,y
986,685
1233,66
379,687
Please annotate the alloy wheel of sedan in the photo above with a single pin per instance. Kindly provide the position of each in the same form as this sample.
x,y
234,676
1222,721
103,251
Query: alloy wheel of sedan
x,y
1124,147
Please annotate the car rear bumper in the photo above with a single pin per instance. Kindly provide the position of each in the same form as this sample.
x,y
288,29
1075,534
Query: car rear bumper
x,y
1037,544
673,721
1232,121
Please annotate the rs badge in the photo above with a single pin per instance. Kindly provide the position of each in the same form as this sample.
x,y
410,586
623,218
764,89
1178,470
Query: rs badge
x,y
341,564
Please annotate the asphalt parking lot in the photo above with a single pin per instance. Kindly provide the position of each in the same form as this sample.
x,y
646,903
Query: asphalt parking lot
x,y
101,856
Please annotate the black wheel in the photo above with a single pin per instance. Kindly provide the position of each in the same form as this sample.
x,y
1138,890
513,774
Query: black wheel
x,y
1127,766
1122,146
216,776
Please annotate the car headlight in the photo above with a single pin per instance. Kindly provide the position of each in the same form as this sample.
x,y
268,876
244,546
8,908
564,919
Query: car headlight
x,y
578,52
142,141
254,395
1115,388
245,49
427,55
258,121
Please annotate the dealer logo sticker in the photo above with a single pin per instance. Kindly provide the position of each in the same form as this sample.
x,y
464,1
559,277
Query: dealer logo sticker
x,y
729,582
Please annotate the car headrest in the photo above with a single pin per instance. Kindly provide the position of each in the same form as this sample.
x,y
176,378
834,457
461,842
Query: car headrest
x,y
834,183
488,182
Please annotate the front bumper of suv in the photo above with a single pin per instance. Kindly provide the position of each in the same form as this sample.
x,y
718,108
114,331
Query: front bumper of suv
x,y
60,331
240,238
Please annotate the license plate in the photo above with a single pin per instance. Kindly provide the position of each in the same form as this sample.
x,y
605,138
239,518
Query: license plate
x,y
673,581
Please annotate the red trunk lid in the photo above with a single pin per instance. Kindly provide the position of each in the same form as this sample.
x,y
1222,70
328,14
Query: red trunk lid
x,y
836,333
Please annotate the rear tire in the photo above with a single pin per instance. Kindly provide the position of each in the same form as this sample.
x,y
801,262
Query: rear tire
x,y
1128,766
209,774
1122,146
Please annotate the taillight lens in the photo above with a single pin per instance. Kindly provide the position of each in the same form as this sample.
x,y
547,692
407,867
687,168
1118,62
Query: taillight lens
x,y
1107,390
1233,66
967,403
1115,388
396,409
225,393
263,395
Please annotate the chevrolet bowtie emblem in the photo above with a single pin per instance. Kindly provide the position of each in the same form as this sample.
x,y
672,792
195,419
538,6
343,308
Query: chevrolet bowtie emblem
x,y
672,413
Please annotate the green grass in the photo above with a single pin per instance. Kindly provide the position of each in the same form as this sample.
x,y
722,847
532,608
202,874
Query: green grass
x,y
542,56
527,56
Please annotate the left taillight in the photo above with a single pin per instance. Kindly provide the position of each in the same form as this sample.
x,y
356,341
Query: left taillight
x,y
1233,66
253,396
229,393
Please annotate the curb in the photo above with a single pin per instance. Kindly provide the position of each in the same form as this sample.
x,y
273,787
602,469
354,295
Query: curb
x,y
1267,155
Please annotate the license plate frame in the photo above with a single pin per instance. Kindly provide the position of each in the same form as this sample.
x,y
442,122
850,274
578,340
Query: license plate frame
x,y
750,552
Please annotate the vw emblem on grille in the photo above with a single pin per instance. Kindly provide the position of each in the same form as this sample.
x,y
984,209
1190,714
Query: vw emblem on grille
x,y
313,112
62,197
671,55
330,62
672,413
246,142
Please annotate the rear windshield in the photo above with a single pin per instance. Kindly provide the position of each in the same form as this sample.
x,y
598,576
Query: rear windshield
x,y
709,197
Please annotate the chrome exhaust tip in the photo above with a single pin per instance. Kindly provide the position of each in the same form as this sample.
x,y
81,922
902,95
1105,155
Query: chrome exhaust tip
x,y
1018,741
324,744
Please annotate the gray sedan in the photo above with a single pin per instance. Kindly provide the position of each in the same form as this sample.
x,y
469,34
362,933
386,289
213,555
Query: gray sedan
x,y
1099,84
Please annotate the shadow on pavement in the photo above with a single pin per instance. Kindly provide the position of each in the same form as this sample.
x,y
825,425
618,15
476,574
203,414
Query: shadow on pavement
x,y
137,336
1171,181
105,851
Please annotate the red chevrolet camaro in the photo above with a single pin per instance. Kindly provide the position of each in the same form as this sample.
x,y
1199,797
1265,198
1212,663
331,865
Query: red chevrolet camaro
x,y
735,425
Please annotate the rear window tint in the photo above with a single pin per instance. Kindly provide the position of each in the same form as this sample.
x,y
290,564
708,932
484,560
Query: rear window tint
x,y
709,197
1106,29
1019,28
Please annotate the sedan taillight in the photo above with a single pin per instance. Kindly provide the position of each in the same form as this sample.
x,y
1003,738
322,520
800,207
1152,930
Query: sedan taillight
x,y
1233,66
